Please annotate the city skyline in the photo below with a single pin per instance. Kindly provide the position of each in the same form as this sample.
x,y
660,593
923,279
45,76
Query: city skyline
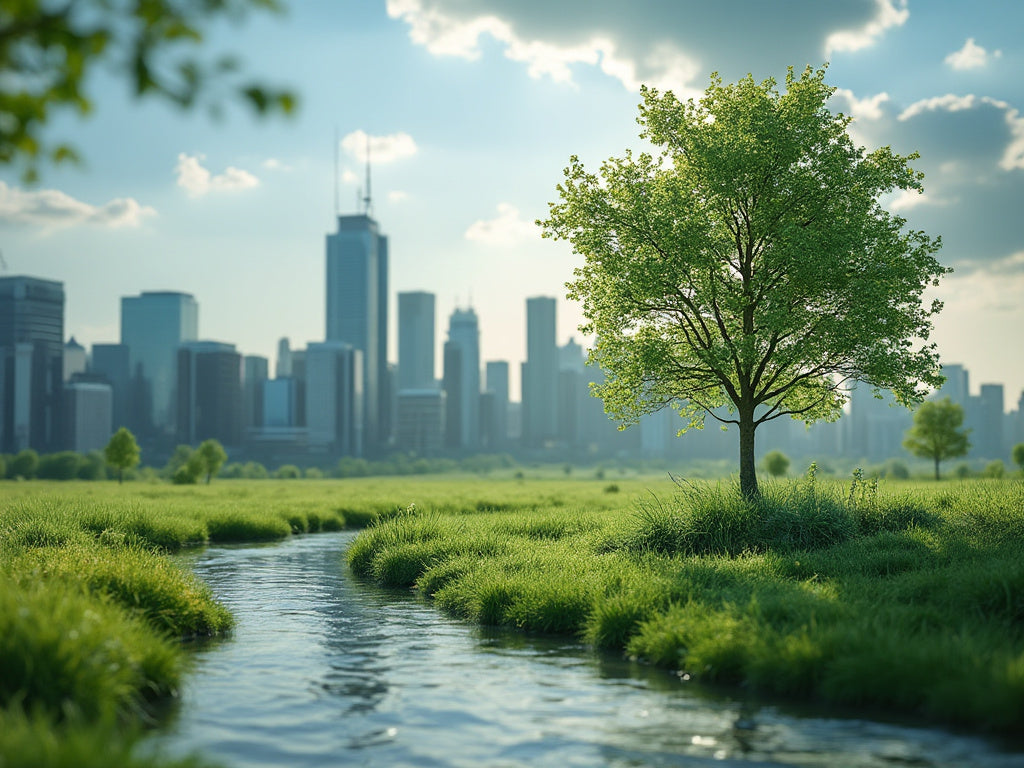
x,y
470,117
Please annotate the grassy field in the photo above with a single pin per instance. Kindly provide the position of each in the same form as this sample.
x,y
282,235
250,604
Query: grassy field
x,y
910,597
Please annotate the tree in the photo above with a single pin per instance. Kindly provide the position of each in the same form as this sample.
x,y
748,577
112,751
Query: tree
x,y
777,463
211,457
936,433
122,452
24,464
1018,455
748,272
50,50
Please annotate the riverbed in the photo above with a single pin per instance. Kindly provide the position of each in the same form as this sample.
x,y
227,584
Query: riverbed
x,y
324,670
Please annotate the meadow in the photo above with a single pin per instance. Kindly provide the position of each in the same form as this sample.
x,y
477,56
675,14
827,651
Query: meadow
x,y
908,597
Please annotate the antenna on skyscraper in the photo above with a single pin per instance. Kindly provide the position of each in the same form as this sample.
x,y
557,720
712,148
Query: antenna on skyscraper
x,y
367,201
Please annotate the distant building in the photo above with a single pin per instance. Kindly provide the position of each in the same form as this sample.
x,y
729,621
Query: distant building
x,y
496,437
153,326
334,398
464,395
357,307
987,441
75,359
284,359
452,382
112,361
420,425
416,324
88,409
540,374
279,403
254,377
209,393
31,363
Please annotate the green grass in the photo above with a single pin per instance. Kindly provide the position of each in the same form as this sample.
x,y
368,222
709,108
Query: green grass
x,y
909,597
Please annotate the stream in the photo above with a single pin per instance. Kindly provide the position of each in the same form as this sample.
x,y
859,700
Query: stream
x,y
325,670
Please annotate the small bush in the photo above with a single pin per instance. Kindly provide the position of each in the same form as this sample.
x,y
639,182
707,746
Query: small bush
x,y
231,526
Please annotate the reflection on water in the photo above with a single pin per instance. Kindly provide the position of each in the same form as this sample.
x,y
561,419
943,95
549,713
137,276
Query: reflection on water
x,y
324,670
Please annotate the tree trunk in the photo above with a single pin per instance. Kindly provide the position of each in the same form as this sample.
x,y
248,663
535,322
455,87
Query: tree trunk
x,y
748,470
936,469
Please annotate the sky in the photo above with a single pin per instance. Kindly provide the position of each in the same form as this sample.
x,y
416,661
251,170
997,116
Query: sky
x,y
471,109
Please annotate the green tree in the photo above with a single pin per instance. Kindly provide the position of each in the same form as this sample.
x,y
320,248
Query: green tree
x,y
24,464
994,470
211,457
1018,455
748,272
936,433
776,463
122,452
49,52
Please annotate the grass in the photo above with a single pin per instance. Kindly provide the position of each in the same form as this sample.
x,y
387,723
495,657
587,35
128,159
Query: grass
x,y
910,599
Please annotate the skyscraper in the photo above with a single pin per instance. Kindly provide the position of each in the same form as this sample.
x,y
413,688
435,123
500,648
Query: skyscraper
x,y
464,336
153,326
334,398
540,373
112,362
31,363
209,391
496,382
357,311
416,322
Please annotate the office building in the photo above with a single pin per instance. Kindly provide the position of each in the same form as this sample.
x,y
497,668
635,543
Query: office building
x,y
496,382
111,361
416,322
31,363
540,374
334,398
75,359
209,390
283,368
88,412
463,401
987,440
153,326
255,372
357,307
420,427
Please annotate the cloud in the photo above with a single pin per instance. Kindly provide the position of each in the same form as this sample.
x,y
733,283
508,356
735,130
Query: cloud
x,y
349,177
397,196
971,56
1013,153
668,45
53,209
383,149
273,164
869,108
507,229
197,180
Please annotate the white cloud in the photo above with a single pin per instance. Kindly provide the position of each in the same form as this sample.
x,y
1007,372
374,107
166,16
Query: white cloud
x,y
888,13
1013,154
273,164
397,196
51,208
948,103
349,176
197,180
383,149
971,56
507,229
869,108
906,199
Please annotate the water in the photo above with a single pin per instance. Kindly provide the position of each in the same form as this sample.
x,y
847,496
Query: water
x,y
323,670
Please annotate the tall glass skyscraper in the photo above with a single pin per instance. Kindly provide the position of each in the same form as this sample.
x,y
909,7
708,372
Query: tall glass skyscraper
x,y
540,373
357,307
416,321
464,346
153,326
31,363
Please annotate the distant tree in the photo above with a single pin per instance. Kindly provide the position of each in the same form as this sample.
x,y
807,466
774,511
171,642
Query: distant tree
x,y
255,471
178,459
313,473
994,470
24,464
49,52
288,472
776,463
3,464
212,457
93,467
936,433
1018,455
896,469
63,465
748,271
963,470
122,452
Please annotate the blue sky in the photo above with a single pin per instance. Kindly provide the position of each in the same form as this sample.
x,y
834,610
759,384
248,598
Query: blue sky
x,y
473,108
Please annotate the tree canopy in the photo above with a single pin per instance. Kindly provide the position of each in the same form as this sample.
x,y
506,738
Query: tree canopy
x,y
122,452
211,457
748,270
49,51
936,433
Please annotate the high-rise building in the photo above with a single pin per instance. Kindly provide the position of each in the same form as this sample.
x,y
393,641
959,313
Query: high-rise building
x,y
112,362
88,407
464,336
31,363
209,393
75,359
988,438
153,326
334,398
540,373
357,310
255,373
284,359
496,382
420,426
956,386
416,322
451,382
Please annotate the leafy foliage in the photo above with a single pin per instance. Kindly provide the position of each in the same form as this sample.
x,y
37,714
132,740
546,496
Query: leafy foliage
x,y
937,433
749,265
211,457
49,52
122,452
776,463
